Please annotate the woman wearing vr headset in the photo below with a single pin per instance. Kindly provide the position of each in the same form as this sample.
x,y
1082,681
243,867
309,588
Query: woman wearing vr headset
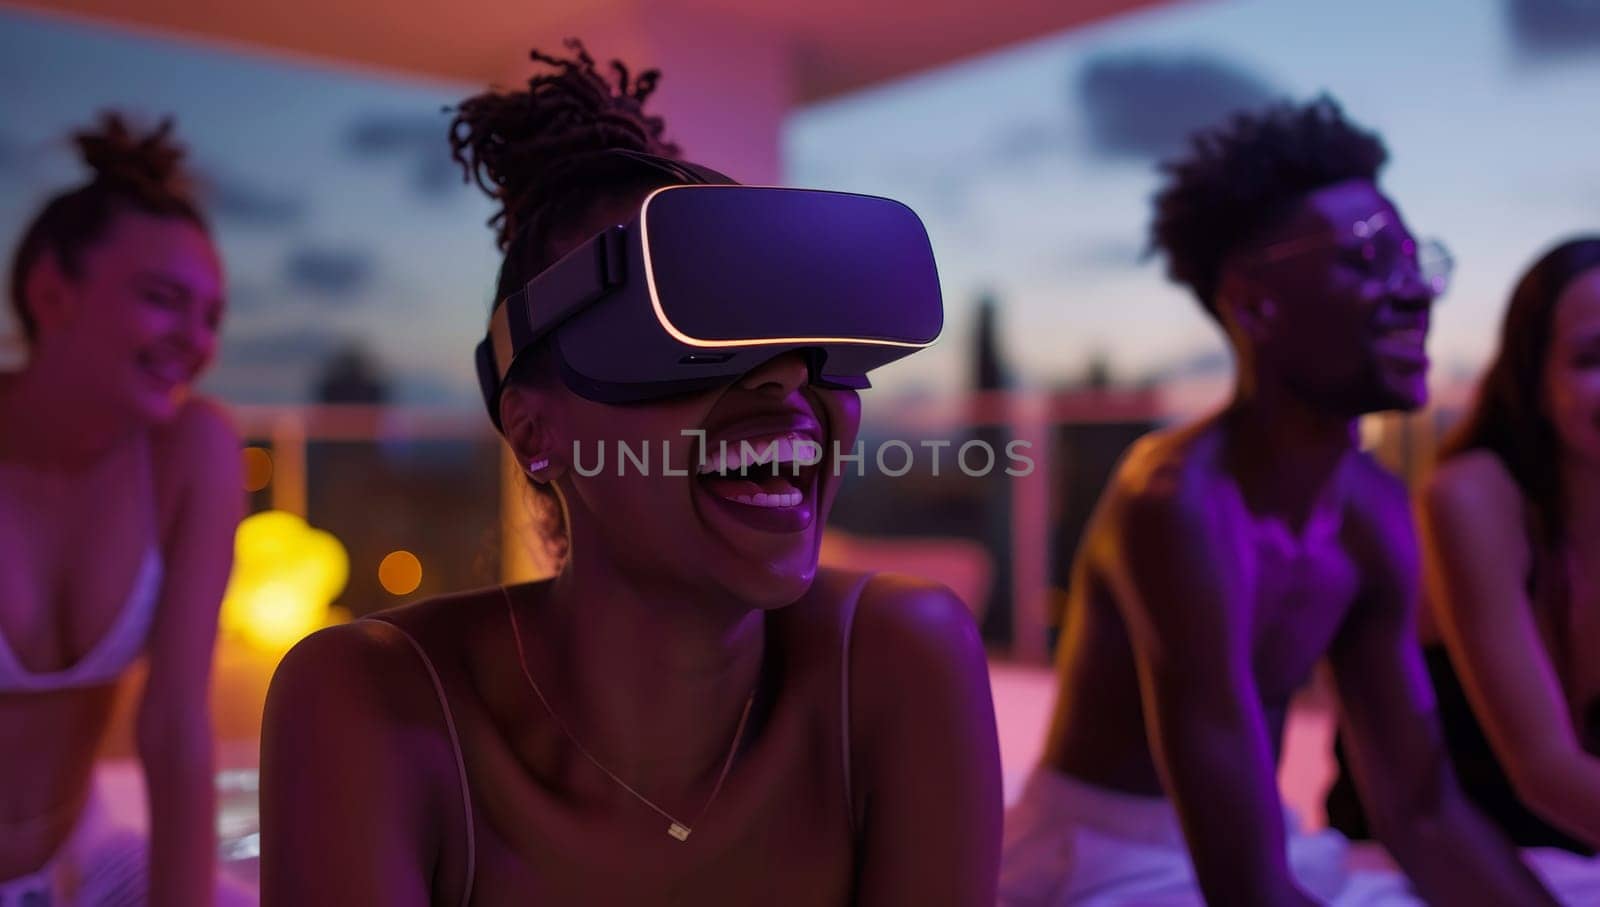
x,y
690,711
119,494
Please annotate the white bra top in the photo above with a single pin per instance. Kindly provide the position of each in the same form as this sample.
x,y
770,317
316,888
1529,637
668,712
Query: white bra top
x,y
111,655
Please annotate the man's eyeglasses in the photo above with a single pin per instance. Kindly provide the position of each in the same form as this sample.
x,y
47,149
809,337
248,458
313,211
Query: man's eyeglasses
x,y
1384,265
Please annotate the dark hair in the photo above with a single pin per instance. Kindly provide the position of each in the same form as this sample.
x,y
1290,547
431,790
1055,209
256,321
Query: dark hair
x,y
1508,417
132,172
1246,176
542,155
539,153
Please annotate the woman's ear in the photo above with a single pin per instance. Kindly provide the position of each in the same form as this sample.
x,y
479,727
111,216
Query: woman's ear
x,y
526,419
49,296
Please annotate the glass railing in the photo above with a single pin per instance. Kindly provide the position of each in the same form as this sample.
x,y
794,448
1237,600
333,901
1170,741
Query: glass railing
x,y
988,493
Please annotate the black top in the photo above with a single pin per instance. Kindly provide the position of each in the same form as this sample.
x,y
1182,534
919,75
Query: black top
x,y
1477,770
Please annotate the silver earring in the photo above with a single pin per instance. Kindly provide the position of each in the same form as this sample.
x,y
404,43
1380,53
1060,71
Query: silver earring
x,y
537,464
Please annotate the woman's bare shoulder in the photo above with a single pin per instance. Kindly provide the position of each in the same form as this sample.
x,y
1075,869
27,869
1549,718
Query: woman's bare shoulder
x,y
903,603
918,616
359,682
358,662
377,655
1474,496
356,765
200,433
918,674
906,626
196,456
1475,528
1477,481
451,615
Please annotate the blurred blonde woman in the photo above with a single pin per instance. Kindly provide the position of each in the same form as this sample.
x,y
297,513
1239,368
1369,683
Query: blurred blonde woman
x,y
119,494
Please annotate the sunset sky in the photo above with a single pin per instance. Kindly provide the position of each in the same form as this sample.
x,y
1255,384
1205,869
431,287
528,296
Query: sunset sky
x,y
343,222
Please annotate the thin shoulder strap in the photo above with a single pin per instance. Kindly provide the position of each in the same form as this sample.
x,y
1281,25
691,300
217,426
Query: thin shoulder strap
x,y
853,599
455,746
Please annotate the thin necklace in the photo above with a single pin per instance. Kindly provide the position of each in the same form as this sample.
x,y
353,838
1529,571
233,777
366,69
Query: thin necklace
x,y
676,829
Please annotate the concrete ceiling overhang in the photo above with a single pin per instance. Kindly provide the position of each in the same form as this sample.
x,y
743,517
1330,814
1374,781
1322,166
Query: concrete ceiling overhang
x,y
838,46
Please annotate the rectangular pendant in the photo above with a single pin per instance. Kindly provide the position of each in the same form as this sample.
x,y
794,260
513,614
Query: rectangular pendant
x,y
678,831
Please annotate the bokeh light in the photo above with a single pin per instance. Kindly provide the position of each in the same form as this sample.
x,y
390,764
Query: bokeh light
x,y
257,468
400,573
286,574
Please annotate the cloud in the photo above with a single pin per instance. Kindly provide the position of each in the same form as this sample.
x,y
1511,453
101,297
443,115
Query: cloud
x,y
1029,142
1101,252
289,365
293,347
10,151
418,142
272,365
1145,104
269,366
230,197
248,297
1540,27
335,274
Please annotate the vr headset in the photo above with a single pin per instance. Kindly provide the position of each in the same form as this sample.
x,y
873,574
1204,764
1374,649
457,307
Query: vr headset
x,y
709,280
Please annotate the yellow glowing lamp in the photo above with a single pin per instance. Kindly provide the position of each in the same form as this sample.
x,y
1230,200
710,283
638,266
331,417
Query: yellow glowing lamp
x,y
285,576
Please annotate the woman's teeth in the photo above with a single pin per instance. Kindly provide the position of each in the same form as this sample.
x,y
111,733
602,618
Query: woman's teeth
x,y
776,493
774,451
762,499
763,471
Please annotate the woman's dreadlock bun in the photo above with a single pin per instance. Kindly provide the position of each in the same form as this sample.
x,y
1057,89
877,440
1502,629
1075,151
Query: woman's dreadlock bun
x,y
148,165
523,147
